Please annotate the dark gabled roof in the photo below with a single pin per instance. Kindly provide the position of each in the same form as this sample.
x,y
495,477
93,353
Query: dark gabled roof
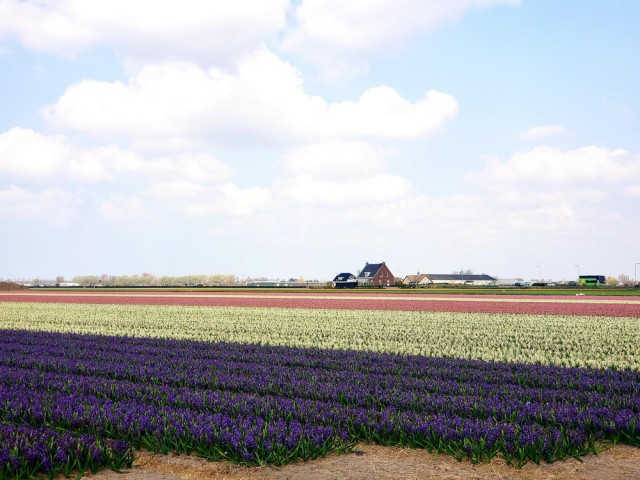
x,y
343,277
457,276
370,270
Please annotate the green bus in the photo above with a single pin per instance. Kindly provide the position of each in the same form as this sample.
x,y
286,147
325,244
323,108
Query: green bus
x,y
591,280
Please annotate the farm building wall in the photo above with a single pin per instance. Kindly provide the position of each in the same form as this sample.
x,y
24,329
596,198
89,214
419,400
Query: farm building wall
x,y
384,277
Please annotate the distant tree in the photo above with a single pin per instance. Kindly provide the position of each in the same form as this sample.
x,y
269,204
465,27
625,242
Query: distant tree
x,y
463,272
214,280
167,281
106,279
59,279
612,282
148,280
131,281
86,280
228,279
191,280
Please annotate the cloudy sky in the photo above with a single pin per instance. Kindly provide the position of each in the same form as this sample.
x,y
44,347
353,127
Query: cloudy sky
x,y
288,138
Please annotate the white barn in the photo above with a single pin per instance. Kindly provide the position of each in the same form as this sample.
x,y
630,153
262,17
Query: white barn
x,y
482,280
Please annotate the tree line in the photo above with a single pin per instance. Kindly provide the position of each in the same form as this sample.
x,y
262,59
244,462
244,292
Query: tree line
x,y
149,280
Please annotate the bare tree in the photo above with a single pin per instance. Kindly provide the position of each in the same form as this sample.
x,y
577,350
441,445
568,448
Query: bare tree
x,y
463,272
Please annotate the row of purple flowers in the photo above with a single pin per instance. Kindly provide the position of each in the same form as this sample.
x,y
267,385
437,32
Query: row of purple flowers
x,y
26,451
258,404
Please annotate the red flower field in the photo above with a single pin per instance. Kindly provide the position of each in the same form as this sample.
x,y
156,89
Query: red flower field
x,y
521,304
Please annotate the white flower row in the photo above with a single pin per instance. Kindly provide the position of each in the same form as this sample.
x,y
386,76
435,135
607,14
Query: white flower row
x,y
604,342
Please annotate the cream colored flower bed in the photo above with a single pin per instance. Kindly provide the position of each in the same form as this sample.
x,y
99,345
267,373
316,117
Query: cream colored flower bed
x,y
606,342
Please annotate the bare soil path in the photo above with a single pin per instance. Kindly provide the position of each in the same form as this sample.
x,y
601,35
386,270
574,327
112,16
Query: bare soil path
x,y
385,463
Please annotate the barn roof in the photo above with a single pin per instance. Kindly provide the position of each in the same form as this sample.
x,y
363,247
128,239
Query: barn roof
x,y
415,278
457,276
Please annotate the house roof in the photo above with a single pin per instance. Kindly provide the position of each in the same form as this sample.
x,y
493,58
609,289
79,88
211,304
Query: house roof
x,y
370,270
343,277
457,276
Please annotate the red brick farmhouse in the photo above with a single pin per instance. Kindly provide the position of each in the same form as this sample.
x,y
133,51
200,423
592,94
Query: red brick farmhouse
x,y
376,275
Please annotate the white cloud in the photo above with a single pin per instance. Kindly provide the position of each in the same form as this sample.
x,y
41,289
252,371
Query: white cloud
x,y
229,199
382,113
328,30
263,102
336,160
548,190
127,208
52,206
174,190
339,173
633,190
26,154
199,168
542,218
543,131
214,33
554,169
376,189
197,200
198,30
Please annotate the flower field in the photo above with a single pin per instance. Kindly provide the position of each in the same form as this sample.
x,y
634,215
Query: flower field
x,y
601,342
550,305
84,384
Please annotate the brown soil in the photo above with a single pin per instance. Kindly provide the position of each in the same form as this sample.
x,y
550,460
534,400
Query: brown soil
x,y
10,286
385,463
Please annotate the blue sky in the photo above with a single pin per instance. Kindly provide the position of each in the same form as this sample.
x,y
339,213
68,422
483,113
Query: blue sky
x,y
302,138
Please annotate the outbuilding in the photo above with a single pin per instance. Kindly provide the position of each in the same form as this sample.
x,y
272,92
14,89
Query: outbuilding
x,y
459,279
507,282
418,280
345,280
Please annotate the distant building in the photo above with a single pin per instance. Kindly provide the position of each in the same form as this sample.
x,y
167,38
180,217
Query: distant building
x,y
283,284
375,275
345,280
507,282
415,280
458,279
